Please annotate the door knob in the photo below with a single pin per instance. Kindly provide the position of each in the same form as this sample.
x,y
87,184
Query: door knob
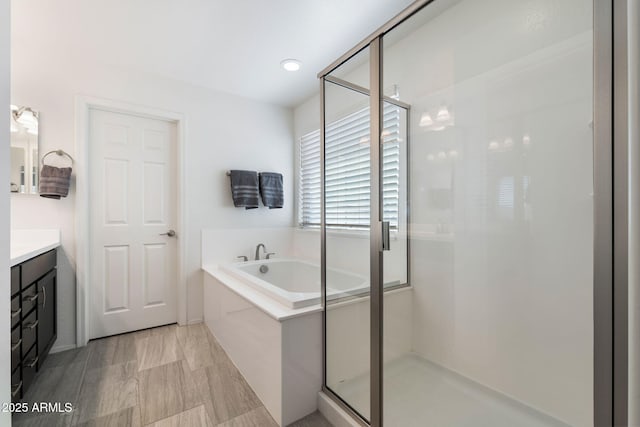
x,y
170,233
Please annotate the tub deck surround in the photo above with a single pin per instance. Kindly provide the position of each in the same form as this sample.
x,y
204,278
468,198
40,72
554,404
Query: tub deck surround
x,y
277,349
26,244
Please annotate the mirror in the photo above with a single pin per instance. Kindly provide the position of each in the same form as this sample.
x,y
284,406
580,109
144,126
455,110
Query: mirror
x,y
24,150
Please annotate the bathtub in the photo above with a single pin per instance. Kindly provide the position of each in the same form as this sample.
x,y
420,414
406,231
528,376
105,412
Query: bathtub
x,y
296,283
277,348
270,325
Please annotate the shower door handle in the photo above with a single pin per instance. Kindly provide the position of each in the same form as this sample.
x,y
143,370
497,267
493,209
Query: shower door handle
x,y
386,241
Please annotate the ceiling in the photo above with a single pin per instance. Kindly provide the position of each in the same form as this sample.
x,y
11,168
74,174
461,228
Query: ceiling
x,y
233,46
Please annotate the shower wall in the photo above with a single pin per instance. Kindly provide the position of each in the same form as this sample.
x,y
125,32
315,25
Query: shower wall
x,y
501,197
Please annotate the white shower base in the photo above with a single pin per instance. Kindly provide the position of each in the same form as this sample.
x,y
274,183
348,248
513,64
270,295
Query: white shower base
x,y
421,394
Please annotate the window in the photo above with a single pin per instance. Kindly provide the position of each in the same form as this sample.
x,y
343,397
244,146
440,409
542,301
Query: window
x,y
347,171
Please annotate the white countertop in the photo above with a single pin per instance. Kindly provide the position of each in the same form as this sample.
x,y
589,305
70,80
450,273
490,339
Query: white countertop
x,y
26,244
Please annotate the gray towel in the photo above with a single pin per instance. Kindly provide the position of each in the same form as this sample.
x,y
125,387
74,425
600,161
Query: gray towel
x,y
54,182
244,189
271,189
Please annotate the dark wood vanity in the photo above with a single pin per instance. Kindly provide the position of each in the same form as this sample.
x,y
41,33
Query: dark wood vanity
x,y
33,318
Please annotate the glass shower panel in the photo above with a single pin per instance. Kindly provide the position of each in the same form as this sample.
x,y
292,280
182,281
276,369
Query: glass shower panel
x,y
498,327
347,217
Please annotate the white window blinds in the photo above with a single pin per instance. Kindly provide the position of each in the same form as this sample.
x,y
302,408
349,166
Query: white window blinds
x,y
347,163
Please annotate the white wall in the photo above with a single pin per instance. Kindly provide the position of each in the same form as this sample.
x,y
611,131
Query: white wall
x,y
5,327
507,300
222,132
225,245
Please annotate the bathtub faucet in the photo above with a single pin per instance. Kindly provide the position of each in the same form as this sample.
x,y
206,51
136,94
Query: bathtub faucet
x,y
258,250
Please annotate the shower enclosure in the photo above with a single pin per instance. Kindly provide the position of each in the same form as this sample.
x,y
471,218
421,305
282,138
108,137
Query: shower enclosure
x,y
466,152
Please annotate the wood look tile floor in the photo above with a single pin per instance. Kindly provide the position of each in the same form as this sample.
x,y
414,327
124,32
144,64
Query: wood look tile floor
x,y
170,376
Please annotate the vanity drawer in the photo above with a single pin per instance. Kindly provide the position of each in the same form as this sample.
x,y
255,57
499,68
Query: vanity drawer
x,y
16,310
16,386
29,333
15,279
29,299
29,364
16,347
37,267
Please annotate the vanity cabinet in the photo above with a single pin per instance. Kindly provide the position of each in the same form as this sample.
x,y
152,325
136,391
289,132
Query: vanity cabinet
x,y
33,318
15,280
46,314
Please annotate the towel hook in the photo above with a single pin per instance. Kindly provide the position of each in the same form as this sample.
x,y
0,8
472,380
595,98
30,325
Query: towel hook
x,y
59,153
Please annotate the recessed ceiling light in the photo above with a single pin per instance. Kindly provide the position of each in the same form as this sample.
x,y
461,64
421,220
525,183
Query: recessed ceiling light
x,y
290,64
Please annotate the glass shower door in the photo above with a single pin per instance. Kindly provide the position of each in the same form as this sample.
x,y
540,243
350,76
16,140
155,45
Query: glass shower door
x,y
347,181
498,327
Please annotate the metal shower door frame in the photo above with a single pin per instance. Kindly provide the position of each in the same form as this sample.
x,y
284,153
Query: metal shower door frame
x,y
610,274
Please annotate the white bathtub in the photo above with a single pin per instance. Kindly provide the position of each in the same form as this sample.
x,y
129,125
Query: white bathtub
x,y
277,345
277,348
296,283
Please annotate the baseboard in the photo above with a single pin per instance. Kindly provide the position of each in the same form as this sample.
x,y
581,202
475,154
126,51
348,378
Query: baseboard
x,y
195,321
60,348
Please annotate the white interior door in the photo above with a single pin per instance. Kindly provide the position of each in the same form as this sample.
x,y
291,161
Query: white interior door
x,y
133,202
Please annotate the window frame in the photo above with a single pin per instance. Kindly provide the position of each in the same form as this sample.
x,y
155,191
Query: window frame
x,y
308,150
